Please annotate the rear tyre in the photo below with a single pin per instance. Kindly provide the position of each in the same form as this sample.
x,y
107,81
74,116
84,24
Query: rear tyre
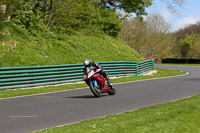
x,y
112,90
95,90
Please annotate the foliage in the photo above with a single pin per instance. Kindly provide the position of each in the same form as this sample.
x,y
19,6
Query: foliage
x,y
21,13
188,39
36,34
63,16
157,23
109,23
22,48
10,6
2,15
190,46
25,17
151,38
76,15
129,6
2,25
188,30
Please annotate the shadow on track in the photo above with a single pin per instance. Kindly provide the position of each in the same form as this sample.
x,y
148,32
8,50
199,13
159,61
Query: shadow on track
x,y
193,79
84,97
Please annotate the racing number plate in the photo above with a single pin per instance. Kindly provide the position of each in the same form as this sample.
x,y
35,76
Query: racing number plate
x,y
91,73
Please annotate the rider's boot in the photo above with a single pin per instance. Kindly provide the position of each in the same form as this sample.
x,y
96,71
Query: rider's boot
x,y
109,82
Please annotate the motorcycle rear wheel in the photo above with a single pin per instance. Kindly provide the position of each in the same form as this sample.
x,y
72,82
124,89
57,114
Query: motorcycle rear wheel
x,y
95,90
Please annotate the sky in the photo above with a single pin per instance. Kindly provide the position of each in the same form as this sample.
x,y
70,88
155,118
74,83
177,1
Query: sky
x,y
189,14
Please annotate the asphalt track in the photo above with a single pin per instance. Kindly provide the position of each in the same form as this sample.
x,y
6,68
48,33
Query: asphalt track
x,y
36,112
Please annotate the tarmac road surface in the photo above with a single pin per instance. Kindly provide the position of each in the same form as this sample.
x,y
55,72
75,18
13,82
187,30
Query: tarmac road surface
x,y
36,112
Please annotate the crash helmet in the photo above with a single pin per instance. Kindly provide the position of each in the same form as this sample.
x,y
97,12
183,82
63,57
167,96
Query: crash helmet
x,y
86,62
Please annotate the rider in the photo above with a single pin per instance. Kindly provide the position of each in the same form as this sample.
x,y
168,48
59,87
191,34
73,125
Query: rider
x,y
98,69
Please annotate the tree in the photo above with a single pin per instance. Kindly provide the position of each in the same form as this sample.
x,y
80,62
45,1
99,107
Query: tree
x,y
157,23
150,38
195,50
128,6
70,15
188,30
188,40
190,46
49,12
138,6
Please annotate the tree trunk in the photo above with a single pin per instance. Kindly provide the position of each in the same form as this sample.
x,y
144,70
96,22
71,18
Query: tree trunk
x,y
50,12
46,10
33,6
99,3
34,2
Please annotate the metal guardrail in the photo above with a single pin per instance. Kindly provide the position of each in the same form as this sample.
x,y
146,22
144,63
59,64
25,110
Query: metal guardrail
x,y
19,77
182,60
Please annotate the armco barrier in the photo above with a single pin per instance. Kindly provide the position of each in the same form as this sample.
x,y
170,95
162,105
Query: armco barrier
x,y
18,77
182,60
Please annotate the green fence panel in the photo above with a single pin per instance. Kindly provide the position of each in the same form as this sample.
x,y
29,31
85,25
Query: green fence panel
x,y
145,66
18,77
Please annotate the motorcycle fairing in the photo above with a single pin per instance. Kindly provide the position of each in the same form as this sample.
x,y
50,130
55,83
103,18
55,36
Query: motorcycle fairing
x,y
94,82
101,80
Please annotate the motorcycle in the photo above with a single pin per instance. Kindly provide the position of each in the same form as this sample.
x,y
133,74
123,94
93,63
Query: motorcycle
x,y
97,83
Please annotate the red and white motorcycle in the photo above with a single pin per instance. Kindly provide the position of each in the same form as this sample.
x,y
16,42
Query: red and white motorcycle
x,y
97,83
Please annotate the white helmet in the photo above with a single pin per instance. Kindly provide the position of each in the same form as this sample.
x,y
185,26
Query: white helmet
x,y
86,62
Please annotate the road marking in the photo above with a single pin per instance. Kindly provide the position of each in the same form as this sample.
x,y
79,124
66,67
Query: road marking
x,y
44,96
22,116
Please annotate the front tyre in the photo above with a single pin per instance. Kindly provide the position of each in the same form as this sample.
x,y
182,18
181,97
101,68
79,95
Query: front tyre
x,y
112,90
96,90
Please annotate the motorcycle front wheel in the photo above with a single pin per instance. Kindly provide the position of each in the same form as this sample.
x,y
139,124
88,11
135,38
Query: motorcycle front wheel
x,y
96,89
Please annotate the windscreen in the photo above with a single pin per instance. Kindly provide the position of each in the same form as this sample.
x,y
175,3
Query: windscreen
x,y
87,69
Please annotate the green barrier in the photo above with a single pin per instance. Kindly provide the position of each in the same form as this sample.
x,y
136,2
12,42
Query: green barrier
x,y
18,77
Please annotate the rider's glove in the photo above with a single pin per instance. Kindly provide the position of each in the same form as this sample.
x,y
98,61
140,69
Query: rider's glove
x,y
84,77
98,70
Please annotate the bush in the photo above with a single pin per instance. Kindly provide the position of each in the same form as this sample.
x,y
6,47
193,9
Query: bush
x,y
109,22
150,38
190,46
188,30
81,14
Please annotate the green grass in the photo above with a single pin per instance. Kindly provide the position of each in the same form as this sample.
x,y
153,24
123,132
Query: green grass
x,y
174,117
22,48
22,92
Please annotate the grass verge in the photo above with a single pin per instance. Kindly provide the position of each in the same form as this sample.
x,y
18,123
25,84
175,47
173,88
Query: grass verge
x,y
22,48
173,117
22,92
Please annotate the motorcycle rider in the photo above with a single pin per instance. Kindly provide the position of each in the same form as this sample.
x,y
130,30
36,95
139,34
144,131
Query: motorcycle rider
x,y
98,69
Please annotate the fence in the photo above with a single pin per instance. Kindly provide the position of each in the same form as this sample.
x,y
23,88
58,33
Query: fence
x,y
182,60
18,77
